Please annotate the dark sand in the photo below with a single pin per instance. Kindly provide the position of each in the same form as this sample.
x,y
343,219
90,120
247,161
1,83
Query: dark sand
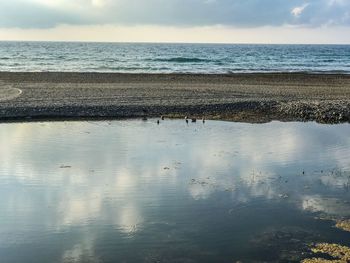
x,y
239,97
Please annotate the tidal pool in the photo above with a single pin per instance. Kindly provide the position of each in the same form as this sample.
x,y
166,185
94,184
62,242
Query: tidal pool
x,y
134,191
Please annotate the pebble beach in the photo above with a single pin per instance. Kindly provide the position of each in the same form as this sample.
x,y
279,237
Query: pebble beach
x,y
246,97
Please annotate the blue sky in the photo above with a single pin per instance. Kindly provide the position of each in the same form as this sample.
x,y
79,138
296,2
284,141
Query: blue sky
x,y
306,20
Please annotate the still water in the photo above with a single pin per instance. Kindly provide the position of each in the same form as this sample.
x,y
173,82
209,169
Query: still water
x,y
134,191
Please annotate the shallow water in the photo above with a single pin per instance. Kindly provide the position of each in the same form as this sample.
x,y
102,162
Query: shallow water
x,y
134,191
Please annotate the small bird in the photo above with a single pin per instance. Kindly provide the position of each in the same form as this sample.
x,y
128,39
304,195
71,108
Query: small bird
x,y
162,117
194,120
203,119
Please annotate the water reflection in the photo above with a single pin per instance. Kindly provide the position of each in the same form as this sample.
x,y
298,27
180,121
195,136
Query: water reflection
x,y
130,191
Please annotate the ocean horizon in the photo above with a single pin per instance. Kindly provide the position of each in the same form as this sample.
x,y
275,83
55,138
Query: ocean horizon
x,y
27,56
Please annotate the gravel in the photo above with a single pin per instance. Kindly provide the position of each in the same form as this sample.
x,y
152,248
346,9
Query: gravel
x,y
323,98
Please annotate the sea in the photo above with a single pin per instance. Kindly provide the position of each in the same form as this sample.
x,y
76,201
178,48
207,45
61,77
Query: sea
x,y
172,58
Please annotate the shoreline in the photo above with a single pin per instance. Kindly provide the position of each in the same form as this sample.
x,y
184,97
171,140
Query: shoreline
x,y
243,97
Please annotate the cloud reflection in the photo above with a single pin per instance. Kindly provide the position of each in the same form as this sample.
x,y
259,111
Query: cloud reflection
x,y
122,174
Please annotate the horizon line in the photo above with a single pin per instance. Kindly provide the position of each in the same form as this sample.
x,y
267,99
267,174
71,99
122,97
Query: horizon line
x,y
168,42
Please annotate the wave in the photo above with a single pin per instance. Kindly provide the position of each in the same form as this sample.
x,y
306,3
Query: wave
x,y
303,71
182,60
154,58
328,60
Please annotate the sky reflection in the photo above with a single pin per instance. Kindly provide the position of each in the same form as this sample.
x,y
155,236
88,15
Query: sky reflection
x,y
126,190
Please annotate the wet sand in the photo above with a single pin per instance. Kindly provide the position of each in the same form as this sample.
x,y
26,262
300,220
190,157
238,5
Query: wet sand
x,y
240,97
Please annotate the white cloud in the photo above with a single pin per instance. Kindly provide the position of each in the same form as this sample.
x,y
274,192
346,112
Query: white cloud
x,y
238,13
297,11
99,3
206,34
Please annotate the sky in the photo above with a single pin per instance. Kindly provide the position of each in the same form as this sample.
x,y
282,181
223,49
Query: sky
x,y
209,21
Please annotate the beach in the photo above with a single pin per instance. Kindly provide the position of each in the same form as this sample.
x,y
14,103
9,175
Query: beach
x,y
246,97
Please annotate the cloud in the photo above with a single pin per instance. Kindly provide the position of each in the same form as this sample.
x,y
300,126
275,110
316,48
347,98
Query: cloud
x,y
37,14
297,11
203,34
238,13
99,3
